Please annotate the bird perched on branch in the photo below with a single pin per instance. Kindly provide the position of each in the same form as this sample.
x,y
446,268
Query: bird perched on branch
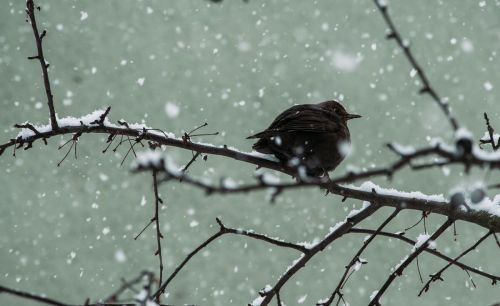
x,y
311,135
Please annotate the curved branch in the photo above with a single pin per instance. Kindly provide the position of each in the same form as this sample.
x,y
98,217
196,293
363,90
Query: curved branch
x,y
222,231
481,218
151,135
367,192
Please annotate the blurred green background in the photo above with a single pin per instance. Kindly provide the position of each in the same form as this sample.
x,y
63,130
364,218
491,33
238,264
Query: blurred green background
x,y
67,232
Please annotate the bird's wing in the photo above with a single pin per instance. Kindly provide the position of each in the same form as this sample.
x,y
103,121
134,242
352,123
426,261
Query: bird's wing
x,y
302,118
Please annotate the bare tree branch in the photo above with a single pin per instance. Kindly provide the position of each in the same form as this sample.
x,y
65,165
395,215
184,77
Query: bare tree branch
x,y
336,232
406,262
400,237
405,47
463,152
495,145
49,301
30,296
380,197
159,235
30,10
223,229
484,219
438,275
355,260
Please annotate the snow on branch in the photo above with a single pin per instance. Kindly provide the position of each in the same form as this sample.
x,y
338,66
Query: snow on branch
x,y
401,237
490,137
479,210
336,232
419,247
486,213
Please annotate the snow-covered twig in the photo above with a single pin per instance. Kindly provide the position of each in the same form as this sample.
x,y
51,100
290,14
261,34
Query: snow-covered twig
x,y
88,125
490,136
94,123
463,152
486,215
417,250
356,260
336,232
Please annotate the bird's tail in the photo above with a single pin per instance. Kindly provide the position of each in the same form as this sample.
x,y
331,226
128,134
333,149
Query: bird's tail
x,y
263,134
262,146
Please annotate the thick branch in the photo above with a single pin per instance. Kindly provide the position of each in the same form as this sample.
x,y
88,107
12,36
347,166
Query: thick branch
x,y
481,218
380,197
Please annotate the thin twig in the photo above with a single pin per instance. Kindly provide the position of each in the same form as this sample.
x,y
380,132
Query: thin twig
x,y
223,229
406,262
30,296
126,285
49,301
193,159
298,264
424,215
30,10
144,228
428,250
496,239
159,235
491,132
278,299
405,47
438,275
380,197
356,258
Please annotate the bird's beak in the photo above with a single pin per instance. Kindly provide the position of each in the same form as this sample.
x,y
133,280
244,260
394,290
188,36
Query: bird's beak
x,y
352,116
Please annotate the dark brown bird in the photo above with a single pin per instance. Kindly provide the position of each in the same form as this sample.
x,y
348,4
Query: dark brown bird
x,y
311,135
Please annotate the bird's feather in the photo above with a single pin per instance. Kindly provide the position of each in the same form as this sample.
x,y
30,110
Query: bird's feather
x,y
302,118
